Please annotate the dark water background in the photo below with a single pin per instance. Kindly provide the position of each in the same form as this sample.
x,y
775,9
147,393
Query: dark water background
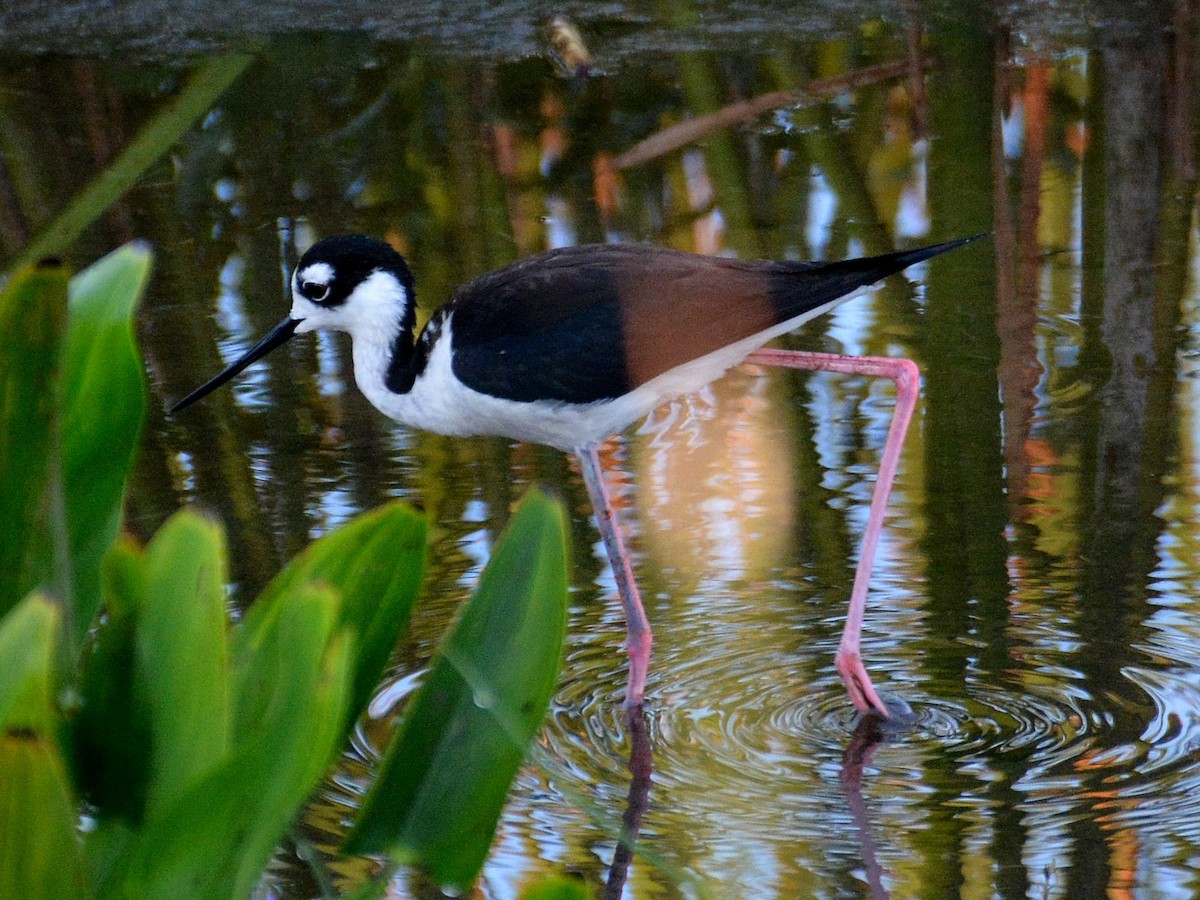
x,y
1036,598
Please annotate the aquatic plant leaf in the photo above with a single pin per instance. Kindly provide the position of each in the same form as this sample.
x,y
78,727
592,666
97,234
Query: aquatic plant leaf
x,y
111,732
39,847
214,839
103,406
182,655
33,321
376,562
443,782
27,643
74,401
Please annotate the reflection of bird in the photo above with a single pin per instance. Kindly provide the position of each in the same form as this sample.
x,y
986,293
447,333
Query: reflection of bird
x,y
570,346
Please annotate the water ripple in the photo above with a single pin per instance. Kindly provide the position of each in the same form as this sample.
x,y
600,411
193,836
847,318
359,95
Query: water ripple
x,y
776,734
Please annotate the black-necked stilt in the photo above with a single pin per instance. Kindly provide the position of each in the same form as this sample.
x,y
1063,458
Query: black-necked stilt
x,y
568,347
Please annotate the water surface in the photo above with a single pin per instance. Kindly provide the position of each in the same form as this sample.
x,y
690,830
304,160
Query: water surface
x,y
1035,600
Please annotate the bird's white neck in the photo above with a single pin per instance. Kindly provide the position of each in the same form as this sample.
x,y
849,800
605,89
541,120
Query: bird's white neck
x,y
381,332
373,350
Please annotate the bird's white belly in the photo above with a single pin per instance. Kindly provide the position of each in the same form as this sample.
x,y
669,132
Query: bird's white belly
x,y
440,403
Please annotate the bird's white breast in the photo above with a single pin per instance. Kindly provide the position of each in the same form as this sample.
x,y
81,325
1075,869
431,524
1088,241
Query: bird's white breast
x,y
440,403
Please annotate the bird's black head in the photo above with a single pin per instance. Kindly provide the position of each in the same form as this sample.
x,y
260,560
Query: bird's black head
x,y
330,271
345,283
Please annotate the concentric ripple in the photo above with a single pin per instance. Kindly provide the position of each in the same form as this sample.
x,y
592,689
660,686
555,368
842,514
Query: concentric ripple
x,y
754,740
760,723
725,716
775,736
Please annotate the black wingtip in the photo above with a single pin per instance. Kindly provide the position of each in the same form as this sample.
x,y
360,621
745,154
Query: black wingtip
x,y
920,254
840,278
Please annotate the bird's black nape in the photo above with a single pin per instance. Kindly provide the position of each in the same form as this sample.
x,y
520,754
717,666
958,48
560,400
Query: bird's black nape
x,y
277,335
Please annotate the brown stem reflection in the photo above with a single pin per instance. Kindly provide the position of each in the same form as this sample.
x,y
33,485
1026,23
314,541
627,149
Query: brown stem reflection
x,y
1018,287
1133,73
641,762
679,135
1129,449
1130,439
914,32
104,130
868,734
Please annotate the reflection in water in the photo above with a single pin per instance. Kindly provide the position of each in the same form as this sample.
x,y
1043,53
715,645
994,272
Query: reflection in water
x,y
641,764
1035,601
869,733
714,482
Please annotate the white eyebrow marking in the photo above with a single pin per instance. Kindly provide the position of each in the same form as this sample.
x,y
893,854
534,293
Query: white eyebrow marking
x,y
318,272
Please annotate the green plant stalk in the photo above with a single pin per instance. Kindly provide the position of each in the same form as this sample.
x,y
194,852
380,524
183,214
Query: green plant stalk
x,y
155,138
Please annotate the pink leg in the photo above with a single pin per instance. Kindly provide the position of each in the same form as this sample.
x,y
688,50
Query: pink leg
x,y
907,377
639,638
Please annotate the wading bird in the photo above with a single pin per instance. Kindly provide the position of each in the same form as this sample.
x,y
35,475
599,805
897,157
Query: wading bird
x,y
571,346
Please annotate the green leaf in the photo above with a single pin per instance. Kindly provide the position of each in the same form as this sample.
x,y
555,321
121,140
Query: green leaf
x,y
39,846
443,782
73,402
182,648
33,317
27,643
154,139
112,732
103,405
214,839
376,561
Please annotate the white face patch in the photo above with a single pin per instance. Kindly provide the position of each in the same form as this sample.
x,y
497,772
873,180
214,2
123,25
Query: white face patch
x,y
374,309
315,278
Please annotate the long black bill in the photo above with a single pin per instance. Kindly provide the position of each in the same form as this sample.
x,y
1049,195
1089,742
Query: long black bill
x,y
278,335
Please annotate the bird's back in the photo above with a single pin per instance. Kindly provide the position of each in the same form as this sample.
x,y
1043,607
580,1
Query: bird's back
x,y
592,323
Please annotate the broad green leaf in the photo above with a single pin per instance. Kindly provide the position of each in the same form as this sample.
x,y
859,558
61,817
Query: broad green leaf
x,y
376,562
182,655
214,839
313,739
443,782
39,846
103,405
33,317
27,648
112,730
154,139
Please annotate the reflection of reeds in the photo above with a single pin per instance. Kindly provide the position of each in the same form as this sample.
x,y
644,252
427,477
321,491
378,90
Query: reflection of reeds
x,y
1020,256
153,140
966,555
679,135
461,162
